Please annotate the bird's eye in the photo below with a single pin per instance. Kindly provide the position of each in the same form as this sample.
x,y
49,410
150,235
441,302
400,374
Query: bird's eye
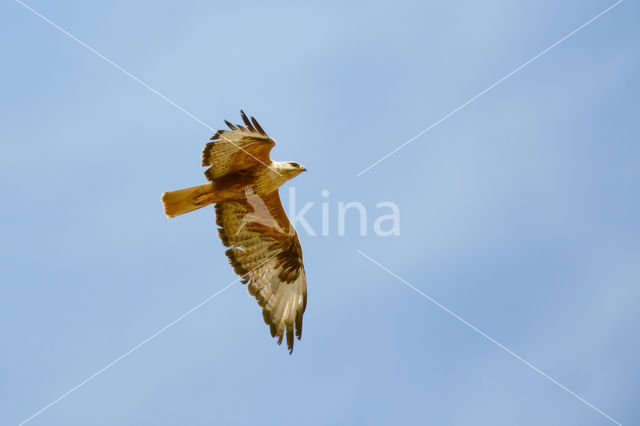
x,y
295,165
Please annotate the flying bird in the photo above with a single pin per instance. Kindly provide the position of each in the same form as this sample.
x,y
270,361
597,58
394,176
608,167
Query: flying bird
x,y
264,248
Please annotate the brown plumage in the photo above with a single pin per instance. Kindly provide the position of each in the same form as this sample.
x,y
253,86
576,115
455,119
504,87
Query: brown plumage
x,y
264,248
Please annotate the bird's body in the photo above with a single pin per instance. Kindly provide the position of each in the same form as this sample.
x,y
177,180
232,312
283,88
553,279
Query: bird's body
x,y
262,180
263,245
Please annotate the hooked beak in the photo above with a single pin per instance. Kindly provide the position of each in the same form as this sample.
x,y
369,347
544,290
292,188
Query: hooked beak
x,y
304,169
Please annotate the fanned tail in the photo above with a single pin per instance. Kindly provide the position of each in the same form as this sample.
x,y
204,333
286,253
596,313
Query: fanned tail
x,y
187,200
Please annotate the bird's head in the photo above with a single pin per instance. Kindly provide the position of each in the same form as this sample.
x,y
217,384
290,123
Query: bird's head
x,y
292,169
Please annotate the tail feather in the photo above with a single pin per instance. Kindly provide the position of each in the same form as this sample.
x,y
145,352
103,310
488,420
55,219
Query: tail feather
x,y
187,200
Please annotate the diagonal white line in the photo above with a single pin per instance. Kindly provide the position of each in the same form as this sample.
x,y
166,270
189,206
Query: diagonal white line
x,y
139,345
128,74
110,62
489,88
491,339
124,355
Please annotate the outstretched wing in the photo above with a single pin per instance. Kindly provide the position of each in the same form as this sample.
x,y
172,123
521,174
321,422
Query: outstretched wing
x,y
237,149
264,248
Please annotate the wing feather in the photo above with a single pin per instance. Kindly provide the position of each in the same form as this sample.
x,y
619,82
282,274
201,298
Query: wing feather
x,y
246,121
258,126
259,235
236,149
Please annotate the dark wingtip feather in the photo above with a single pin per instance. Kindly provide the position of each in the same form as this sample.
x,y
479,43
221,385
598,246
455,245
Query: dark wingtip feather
x,y
246,121
231,126
290,338
299,326
258,126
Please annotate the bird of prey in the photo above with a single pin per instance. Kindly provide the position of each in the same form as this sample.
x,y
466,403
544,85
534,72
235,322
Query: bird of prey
x,y
264,248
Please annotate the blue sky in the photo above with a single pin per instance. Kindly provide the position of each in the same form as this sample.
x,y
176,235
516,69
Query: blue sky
x,y
520,213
